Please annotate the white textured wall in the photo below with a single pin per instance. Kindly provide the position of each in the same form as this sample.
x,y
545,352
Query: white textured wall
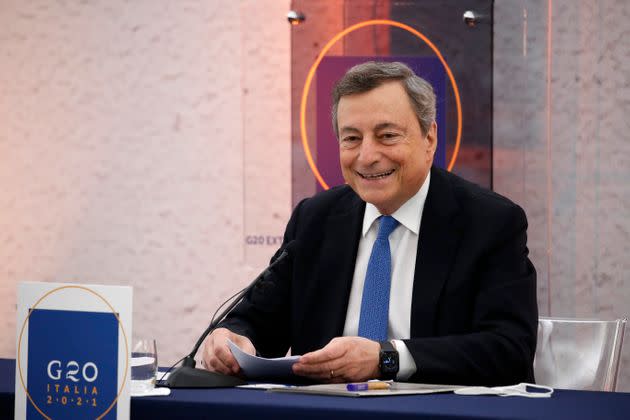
x,y
141,142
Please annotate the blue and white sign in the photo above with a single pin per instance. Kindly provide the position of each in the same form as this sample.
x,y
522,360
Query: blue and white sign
x,y
73,351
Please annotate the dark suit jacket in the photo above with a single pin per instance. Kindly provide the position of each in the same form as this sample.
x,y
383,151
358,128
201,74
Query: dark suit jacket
x,y
474,312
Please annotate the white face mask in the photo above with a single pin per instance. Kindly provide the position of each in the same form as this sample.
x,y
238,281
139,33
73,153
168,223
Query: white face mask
x,y
519,390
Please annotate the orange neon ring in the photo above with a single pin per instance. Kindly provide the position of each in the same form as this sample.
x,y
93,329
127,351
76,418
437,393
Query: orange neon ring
x,y
19,366
328,46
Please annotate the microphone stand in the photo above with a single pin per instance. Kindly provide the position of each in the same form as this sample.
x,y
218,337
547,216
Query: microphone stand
x,y
187,376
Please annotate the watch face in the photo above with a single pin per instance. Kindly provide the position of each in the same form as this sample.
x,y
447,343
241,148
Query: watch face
x,y
389,361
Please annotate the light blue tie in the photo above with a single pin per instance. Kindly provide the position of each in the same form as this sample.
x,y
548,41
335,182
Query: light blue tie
x,y
375,303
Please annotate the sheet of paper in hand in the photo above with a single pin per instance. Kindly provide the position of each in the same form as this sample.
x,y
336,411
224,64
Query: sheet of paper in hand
x,y
259,368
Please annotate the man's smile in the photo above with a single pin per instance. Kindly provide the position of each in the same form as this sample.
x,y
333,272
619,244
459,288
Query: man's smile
x,y
378,175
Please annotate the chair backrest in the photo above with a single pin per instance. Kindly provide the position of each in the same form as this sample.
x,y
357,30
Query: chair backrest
x,y
578,353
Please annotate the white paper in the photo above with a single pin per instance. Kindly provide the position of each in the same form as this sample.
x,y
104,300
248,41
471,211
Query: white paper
x,y
155,392
162,375
259,368
263,386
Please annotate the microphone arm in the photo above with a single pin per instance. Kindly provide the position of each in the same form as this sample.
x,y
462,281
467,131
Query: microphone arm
x,y
187,376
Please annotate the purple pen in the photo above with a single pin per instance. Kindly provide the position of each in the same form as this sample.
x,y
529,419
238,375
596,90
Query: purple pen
x,y
367,386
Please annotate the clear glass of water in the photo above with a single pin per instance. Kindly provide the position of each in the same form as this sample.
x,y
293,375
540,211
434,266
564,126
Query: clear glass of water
x,y
143,366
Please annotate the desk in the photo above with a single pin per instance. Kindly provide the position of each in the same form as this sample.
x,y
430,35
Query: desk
x,y
254,404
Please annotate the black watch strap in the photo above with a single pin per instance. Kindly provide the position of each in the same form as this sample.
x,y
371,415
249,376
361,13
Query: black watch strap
x,y
387,346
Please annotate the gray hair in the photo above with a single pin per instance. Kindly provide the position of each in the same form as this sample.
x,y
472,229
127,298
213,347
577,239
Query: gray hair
x,y
372,74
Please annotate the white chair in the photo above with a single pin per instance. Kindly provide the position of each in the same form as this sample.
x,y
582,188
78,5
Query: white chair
x,y
578,353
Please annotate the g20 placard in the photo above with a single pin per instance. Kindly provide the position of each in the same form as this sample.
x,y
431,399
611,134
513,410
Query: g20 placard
x,y
73,352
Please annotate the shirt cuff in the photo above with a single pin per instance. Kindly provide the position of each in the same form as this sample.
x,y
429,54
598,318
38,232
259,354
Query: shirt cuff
x,y
406,364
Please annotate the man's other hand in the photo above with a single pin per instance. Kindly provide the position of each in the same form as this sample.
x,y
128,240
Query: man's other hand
x,y
217,356
344,359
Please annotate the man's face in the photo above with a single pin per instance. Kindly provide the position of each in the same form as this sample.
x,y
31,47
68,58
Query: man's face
x,y
384,156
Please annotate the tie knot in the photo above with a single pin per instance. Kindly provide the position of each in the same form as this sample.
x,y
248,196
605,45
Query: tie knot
x,y
386,226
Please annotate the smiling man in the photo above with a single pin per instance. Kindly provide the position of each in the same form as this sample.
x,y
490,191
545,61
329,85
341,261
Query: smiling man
x,y
407,272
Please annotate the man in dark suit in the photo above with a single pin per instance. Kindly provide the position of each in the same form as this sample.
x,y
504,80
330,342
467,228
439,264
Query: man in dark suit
x,y
407,272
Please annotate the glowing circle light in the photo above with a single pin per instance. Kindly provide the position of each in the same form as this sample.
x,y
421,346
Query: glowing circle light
x,y
329,45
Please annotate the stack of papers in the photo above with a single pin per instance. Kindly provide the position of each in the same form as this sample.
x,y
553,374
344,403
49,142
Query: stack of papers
x,y
397,388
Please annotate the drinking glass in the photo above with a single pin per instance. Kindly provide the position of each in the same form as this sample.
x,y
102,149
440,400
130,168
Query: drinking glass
x,y
143,366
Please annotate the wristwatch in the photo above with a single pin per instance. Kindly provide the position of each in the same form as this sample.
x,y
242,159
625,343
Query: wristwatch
x,y
388,360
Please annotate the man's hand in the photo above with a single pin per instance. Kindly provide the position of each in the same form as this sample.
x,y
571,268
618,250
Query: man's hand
x,y
344,359
217,356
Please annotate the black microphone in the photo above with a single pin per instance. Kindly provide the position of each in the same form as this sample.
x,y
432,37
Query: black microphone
x,y
187,376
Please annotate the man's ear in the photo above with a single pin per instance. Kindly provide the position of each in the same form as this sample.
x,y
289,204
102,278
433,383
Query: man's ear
x,y
432,139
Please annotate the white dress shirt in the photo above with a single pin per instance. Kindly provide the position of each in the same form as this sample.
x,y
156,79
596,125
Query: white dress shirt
x,y
403,243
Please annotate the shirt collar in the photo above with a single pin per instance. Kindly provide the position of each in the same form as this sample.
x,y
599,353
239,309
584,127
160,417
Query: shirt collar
x,y
408,215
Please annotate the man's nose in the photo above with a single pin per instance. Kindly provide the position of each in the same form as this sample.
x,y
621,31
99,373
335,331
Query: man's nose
x,y
369,151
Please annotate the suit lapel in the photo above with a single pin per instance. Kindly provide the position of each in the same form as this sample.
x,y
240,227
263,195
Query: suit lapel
x,y
437,244
336,269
